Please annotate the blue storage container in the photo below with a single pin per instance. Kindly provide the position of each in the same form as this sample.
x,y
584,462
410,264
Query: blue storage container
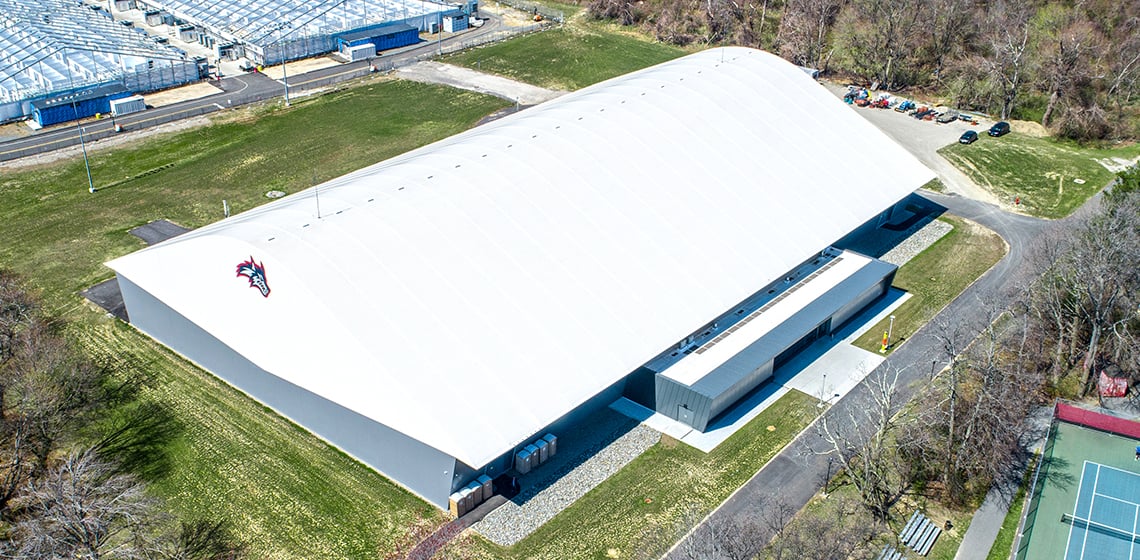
x,y
77,104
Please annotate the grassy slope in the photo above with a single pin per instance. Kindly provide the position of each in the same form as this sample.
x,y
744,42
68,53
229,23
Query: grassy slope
x,y
288,493
682,483
570,57
58,235
936,276
1039,170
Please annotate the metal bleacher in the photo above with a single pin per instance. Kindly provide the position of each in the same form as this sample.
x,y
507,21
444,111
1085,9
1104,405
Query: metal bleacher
x,y
920,533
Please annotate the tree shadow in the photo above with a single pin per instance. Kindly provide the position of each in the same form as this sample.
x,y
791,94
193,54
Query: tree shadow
x,y
134,432
138,437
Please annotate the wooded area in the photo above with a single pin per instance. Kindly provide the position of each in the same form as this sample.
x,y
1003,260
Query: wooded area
x,y
76,450
1072,66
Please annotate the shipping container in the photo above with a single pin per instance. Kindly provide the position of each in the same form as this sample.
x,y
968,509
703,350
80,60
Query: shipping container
x,y
77,105
127,105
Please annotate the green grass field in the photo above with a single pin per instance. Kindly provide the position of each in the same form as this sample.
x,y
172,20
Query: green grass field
x,y
288,493
570,57
936,276
645,507
1039,170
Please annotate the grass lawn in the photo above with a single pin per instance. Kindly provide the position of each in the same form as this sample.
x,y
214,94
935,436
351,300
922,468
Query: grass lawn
x,y
58,235
570,57
936,276
287,493
1039,170
645,507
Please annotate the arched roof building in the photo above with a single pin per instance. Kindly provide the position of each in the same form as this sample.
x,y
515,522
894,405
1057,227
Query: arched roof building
x,y
452,302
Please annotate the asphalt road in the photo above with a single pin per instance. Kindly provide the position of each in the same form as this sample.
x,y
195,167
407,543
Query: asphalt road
x,y
236,91
797,473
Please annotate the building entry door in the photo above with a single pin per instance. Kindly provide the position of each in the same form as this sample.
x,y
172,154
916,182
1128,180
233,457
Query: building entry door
x,y
685,415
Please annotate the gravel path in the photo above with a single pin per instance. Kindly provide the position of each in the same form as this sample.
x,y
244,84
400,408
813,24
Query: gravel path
x,y
537,504
917,240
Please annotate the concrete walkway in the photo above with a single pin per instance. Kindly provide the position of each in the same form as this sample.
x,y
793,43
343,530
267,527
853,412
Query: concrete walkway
x,y
987,522
464,78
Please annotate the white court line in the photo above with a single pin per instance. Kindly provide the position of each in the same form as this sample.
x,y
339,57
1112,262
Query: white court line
x,y
1092,502
1115,499
1072,526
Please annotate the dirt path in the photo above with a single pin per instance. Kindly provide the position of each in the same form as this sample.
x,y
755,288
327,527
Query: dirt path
x,y
465,78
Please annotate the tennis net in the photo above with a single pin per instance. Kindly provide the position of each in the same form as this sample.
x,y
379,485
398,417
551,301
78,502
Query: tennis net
x,y
1091,525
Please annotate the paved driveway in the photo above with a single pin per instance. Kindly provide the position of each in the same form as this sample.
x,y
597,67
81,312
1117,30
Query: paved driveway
x,y
923,139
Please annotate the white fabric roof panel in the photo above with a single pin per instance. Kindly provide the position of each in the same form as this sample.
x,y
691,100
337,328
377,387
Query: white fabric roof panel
x,y
548,253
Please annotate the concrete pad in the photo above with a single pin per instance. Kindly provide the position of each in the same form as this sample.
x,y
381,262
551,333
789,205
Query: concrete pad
x,y
106,294
471,80
179,94
828,369
298,67
158,231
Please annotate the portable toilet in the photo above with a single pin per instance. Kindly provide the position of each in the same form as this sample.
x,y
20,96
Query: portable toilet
x,y
522,461
488,486
552,442
543,451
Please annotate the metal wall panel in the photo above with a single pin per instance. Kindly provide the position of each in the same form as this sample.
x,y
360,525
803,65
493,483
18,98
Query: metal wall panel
x,y
423,470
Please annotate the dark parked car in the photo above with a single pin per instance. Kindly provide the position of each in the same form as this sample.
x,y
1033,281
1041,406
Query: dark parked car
x,y
968,137
999,129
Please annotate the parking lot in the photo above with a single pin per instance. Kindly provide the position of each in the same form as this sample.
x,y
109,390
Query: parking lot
x,y
923,139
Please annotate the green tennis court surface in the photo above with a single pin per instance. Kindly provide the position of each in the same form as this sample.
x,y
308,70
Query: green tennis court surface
x,y
1086,504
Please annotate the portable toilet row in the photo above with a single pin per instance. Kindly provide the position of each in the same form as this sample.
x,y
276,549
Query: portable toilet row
x,y
535,454
467,499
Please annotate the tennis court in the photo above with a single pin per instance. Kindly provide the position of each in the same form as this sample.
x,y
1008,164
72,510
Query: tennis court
x,y
1104,520
1085,498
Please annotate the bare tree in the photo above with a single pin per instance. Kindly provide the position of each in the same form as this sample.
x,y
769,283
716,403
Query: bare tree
x,y
862,441
832,531
17,311
880,39
1066,46
721,537
81,509
1008,61
803,33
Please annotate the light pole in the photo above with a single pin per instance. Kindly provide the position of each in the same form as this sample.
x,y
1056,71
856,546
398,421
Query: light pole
x,y
890,329
822,392
83,146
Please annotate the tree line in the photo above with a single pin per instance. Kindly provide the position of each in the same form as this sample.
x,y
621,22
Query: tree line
x,y
1072,66
77,449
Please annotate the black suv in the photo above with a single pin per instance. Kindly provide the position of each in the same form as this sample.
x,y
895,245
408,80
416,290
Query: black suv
x,y
999,129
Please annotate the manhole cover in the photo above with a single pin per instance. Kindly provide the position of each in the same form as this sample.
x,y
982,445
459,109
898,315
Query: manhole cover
x,y
275,194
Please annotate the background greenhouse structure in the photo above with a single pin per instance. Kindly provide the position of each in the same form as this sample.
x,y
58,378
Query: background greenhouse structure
x,y
269,31
53,48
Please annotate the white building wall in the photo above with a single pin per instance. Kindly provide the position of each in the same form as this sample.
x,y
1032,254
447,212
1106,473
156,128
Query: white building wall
x,y
418,467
